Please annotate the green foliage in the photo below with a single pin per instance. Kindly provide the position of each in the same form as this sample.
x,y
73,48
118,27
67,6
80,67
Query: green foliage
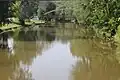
x,y
15,8
117,36
40,14
50,6
99,13
28,8
4,11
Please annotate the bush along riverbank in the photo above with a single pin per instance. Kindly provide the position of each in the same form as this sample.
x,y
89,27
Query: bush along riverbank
x,y
103,16
117,36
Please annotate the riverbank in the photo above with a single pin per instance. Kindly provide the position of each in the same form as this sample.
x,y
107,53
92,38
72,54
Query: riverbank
x,y
15,24
117,36
27,22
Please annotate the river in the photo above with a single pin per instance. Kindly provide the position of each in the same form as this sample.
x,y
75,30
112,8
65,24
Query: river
x,y
59,53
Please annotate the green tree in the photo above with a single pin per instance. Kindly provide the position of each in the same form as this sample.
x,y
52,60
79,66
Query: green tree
x,y
50,6
4,11
99,13
27,9
40,13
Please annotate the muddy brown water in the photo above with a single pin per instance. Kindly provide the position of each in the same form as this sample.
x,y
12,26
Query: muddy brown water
x,y
57,54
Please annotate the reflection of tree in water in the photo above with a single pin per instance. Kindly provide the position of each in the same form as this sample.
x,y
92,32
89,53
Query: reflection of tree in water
x,y
118,52
10,68
21,74
80,47
96,60
6,65
25,52
27,36
35,36
32,43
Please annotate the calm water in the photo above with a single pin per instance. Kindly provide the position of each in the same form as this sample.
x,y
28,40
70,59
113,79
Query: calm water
x,y
59,54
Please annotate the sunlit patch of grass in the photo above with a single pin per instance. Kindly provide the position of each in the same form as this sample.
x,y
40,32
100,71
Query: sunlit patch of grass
x,y
37,21
16,20
7,26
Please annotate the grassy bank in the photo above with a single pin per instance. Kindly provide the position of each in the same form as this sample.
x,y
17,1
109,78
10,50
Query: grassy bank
x,y
28,22
16,24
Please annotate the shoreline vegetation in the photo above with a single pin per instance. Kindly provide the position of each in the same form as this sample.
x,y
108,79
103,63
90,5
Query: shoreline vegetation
x,y
100,17
15,24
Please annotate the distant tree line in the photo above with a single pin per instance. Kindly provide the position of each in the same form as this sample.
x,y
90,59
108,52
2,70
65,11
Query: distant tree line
x,y
27,9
